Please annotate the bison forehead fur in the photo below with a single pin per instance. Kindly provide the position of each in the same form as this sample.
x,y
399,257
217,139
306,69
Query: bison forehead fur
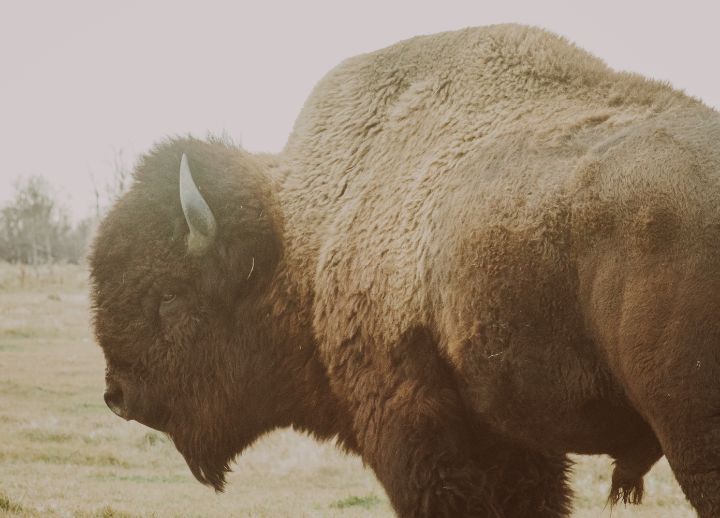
x,y
479,251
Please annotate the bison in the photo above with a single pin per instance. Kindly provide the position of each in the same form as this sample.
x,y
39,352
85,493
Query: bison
x,y
478,252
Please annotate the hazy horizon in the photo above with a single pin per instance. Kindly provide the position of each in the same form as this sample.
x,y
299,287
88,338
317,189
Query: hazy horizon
x,y
83,81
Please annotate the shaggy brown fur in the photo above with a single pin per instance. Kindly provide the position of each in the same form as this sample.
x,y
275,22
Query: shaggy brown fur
x,y
478,252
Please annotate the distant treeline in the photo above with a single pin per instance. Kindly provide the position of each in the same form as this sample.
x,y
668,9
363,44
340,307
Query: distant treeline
x,y
36,229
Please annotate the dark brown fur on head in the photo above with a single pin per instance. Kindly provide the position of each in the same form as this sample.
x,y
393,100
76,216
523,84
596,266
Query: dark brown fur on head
x,y
192,342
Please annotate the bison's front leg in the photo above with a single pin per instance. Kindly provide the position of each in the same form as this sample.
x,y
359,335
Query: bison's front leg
x,y
416,434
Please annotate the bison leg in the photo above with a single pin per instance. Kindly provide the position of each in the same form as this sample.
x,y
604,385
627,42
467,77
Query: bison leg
x,y
693,451
528,483
692,448
414,431
416,440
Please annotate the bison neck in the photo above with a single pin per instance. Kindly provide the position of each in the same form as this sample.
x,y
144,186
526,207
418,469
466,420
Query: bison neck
x,y
318,411
298,389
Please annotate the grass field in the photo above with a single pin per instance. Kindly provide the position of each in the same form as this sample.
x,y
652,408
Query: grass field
x,y
63,453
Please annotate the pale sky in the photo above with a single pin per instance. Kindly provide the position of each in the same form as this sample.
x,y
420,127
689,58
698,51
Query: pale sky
x,y
82,80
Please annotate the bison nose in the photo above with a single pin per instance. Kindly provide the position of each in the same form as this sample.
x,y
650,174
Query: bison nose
x,y
114,400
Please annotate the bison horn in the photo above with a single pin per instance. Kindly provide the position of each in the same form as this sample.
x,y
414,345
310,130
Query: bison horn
x,y
198,215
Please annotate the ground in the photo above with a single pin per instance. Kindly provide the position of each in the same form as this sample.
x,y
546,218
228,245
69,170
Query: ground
x,y
63,453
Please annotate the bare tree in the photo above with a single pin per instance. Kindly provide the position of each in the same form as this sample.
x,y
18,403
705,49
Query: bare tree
x,y
114,187
28,222
120,179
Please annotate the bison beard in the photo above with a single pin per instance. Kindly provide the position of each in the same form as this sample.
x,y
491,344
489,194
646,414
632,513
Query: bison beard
x,y
478,252
205,436
207,456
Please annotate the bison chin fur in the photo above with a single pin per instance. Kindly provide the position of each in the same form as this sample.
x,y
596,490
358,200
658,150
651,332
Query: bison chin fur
x,y
206,463
209,453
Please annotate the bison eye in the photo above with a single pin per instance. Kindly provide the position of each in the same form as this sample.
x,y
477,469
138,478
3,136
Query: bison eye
x,y
167,298
169,304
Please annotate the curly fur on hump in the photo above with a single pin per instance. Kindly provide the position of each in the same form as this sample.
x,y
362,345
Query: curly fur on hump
x,y
465,183
483,250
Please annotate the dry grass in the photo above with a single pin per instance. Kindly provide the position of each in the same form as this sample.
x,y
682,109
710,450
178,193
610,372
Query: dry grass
x,y
62,453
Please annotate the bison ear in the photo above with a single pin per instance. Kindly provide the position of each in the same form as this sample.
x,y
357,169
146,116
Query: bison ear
x,y
198,215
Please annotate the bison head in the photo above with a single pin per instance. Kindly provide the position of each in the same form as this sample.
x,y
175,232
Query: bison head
x,y
188,308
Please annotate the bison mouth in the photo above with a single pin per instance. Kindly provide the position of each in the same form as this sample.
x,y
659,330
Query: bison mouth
x,y
156,420
125,401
